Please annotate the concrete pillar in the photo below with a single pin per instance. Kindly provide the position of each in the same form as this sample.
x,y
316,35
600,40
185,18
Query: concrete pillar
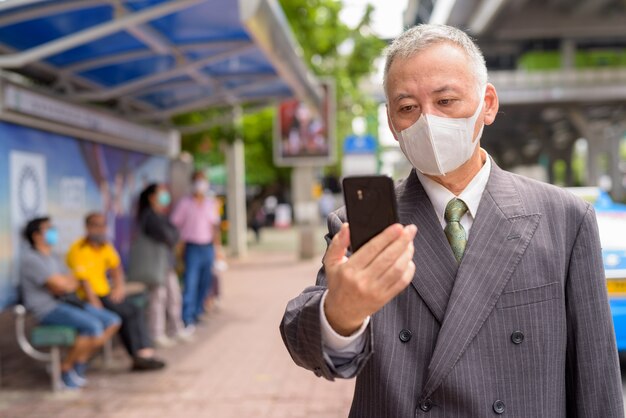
x,y
595,144
305,209
613,139
569,172
550,160
568,54
593,166
236,193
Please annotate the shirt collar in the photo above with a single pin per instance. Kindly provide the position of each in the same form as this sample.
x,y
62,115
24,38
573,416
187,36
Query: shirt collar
x,y
440,196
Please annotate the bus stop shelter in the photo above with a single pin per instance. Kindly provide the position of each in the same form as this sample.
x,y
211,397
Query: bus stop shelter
x,y
141,62
153,59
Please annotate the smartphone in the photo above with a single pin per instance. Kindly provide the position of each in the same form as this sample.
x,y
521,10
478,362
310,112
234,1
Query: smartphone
x,y
370,205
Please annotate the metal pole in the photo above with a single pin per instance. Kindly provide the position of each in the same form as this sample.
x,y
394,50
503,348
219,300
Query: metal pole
x,y
55,373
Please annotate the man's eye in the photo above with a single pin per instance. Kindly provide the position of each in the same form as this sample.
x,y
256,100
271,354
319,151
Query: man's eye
x,y
446,102
407,108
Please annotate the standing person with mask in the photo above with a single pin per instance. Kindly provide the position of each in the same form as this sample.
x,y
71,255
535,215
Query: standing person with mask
x,y
92,260
156,231
198,221
48,292
497,306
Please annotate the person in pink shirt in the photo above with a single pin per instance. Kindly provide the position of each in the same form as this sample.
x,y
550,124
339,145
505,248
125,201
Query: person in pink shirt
x,y
198,221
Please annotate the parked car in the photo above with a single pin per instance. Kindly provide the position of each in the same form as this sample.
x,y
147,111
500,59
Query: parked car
x,y
611,218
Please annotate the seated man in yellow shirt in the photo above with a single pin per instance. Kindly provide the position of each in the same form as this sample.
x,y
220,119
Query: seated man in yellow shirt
x,y
91,258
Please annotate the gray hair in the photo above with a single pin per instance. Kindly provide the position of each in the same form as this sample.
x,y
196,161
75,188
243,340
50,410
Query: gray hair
x,y
420,37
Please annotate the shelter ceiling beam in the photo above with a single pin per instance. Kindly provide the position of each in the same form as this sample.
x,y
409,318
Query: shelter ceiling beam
x,y
40,52
47,10
137,84
90,64
189,83
160,45
209,103
77,80
219,98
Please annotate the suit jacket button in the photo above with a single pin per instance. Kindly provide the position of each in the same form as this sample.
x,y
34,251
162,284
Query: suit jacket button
x,y
517,337
498,407
405,335
426,405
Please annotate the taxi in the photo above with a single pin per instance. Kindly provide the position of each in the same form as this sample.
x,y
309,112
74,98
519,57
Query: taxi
x,y
611,218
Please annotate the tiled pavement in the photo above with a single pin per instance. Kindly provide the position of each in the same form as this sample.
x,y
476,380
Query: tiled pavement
x,y
237,367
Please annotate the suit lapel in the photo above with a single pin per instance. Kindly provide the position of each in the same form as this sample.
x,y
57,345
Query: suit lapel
x,y
436,267
499,236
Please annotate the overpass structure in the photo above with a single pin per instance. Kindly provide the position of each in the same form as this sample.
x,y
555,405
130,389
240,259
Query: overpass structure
x,y
559,67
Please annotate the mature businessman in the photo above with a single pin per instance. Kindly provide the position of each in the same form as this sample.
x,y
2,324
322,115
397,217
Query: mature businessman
x,y
489,298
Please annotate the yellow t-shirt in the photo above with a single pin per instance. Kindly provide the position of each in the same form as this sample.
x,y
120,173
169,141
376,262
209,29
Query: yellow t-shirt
x,y
91,264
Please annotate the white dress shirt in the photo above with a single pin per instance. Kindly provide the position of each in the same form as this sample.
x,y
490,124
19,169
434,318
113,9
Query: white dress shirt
x,y
339,349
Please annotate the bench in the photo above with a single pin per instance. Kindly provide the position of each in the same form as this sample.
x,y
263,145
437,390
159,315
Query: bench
x,y
55,338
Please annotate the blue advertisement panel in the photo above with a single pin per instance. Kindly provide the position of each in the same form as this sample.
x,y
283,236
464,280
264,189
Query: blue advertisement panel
x,y
46,173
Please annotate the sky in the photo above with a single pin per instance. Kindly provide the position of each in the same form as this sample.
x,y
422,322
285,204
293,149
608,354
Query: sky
x,y
387,19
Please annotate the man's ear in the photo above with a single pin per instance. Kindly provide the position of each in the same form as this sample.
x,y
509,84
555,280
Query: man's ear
x,y
393,131
491,104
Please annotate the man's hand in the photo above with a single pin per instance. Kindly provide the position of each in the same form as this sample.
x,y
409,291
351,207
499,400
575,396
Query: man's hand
x,y
362,284
90,295
118,293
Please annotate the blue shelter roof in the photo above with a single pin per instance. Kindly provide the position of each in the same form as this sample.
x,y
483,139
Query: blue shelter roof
x,y
156,58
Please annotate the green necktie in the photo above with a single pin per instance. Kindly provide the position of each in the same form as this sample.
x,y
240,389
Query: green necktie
x,y
455,209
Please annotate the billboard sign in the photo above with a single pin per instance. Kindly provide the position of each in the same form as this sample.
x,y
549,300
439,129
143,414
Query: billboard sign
x,y
302,137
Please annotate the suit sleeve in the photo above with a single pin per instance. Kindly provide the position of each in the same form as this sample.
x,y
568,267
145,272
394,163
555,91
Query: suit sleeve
x,y
593,380
301,328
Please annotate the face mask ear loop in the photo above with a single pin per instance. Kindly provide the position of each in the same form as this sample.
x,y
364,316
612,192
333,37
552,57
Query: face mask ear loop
x,y
474,118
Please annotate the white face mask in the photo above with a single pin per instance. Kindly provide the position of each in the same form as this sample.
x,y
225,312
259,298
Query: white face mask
x,y
200,186
436,145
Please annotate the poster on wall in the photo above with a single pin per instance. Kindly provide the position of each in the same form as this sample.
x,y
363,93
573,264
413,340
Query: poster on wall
x,y
28,186
44,173
302,137
28,195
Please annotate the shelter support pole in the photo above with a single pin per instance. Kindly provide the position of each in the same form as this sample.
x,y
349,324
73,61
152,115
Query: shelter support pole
x,y
236,192
305,209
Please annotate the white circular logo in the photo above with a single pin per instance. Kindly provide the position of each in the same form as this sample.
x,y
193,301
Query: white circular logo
x,y
29,191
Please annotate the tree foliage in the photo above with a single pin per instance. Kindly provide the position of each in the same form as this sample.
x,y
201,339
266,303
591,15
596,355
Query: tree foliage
x,y
331,49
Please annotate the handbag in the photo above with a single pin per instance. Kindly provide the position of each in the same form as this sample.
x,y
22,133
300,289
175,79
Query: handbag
x,y
148,261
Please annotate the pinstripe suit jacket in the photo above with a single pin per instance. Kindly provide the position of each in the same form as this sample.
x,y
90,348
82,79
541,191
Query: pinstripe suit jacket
x,y
520,328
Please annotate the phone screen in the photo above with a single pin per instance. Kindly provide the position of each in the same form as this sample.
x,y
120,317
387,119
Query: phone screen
x,y
370,205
